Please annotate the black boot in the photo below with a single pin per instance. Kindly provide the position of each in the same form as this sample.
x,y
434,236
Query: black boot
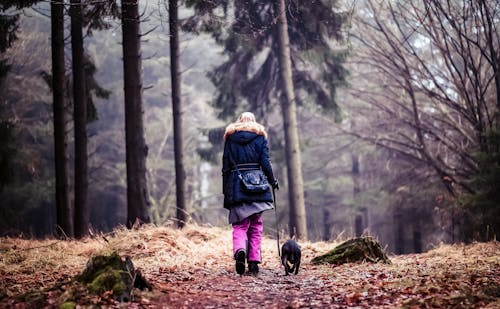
x,y
253,268
240,261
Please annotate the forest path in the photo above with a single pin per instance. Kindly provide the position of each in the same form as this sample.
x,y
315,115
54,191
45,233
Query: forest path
x,y
222,288
193,268
446,279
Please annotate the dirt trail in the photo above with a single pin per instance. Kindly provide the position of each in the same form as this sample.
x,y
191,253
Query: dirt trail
x,y
223,288
419,281
193,268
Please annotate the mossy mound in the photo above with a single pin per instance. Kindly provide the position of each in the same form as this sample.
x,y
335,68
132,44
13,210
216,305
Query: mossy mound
x,y
112,273
362,249
68,305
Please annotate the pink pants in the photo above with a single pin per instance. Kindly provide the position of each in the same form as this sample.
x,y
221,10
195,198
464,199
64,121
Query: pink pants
x,y
248,232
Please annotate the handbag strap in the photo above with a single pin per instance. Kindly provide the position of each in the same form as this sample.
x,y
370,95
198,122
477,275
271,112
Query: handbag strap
x,y
248,166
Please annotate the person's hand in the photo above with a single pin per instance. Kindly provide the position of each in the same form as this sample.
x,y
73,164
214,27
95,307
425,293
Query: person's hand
x,y
276,184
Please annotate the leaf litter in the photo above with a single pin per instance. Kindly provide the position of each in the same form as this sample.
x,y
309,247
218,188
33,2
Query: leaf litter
x,y
193,268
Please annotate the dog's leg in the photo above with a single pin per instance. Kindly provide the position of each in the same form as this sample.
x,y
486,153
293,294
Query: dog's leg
x,y
285,264
297,264
287,269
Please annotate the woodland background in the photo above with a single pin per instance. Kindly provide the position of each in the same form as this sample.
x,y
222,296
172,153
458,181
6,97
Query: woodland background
x,y
397,113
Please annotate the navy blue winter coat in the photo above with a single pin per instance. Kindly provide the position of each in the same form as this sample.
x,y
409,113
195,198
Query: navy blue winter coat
x,y
245,147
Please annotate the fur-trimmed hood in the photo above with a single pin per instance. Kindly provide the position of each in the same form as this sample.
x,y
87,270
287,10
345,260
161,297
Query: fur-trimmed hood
x,y
249,126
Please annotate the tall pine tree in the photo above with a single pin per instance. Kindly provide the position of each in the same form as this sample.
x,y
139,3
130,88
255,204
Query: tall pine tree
x,y
250,78
81,209
175,73
63,206
136,149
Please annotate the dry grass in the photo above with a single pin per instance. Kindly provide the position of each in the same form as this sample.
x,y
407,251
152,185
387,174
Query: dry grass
x,y
27,264
165,252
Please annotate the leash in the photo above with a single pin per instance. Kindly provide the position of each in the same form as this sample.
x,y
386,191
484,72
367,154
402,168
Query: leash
x,y
276,221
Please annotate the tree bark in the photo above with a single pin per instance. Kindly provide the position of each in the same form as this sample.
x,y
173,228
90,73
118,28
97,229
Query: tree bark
x,y
358,219
180,174
63,207
136,149
361,250
327,226
81,218
417,240
292,145
399,242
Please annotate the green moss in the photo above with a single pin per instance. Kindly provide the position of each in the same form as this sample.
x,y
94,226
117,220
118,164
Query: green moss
x,y
363,249
111,273
107,280
68,305
98,264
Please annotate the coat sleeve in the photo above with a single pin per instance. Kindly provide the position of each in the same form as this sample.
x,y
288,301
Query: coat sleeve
x,y
265,162
225,166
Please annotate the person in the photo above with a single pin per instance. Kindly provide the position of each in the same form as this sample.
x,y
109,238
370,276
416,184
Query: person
x,y
246,147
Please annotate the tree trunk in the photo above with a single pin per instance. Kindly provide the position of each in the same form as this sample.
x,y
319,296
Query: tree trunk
x,y
417,240
63,207
180,174
81,218
292,145
136,149
358,220
358,225
399,241
360,250
327,226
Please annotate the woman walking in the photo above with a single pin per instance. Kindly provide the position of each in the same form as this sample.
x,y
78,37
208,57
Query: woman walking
x,y
246,149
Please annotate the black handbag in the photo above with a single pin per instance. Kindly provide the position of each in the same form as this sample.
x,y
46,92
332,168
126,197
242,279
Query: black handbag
x,y
253,181
251,177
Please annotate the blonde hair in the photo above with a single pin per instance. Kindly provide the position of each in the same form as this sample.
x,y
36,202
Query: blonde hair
x,y
246,117
245,122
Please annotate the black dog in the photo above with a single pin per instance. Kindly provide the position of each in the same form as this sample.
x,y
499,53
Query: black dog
x,y
290,253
